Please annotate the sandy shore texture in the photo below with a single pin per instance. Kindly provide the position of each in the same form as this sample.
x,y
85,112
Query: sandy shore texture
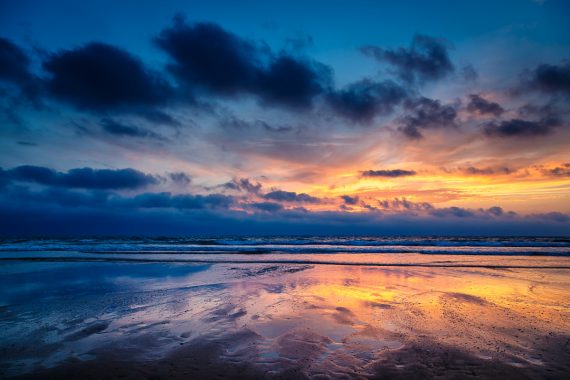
x,y
264,321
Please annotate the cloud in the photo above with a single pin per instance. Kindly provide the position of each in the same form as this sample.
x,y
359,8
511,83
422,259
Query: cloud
x,y
425,113
15,69
243,184
57,210
293,82
180,177
100,77
548,78
363,100
521,128
551,216
481,106
393,173
205,56
116,128
86,178
404,204
559,171
179,201
267,206
350,200
457,212
290,196
426,59
472,170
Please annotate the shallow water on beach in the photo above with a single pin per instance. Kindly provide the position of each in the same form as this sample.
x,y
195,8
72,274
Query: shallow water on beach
x,y
428,316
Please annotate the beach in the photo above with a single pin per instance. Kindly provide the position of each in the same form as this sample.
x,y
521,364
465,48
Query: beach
x,y
450,318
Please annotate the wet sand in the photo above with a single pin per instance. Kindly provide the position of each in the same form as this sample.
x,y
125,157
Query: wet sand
x,y
85,320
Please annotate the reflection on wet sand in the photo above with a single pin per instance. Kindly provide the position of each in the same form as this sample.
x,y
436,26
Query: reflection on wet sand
x,y
291,321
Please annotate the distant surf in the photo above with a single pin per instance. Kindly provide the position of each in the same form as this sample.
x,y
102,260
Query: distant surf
x,y
490,252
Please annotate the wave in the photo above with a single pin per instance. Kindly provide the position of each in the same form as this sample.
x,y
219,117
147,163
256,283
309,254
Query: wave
x,y
542,246
494,265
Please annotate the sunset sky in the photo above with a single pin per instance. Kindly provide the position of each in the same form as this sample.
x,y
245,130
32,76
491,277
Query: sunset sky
x,y
285,117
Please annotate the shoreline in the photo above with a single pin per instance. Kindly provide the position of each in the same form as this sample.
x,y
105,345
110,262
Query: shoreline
x,y
139,320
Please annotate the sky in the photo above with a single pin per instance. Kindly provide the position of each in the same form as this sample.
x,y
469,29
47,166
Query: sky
x,y
284,117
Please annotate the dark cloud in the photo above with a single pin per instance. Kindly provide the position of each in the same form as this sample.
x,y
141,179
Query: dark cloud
x,y
290,196
207,57
472,170
267,206
116,128
204,54
426,59
521,128
86,178
101,77
243,184
479,105
180,177
457,212
293,82
388,173
551,216
363,100
15,69
179,201
550,78
425,113
404,204
58,196
350,200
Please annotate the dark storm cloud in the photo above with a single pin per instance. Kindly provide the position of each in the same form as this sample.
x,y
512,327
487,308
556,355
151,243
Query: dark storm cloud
x,y
480,105
388,173
116,128
426,59
86,178
350,200
521,128
15,69
101,77
425,113
206,56
550,78
293,82
290,196
363,100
